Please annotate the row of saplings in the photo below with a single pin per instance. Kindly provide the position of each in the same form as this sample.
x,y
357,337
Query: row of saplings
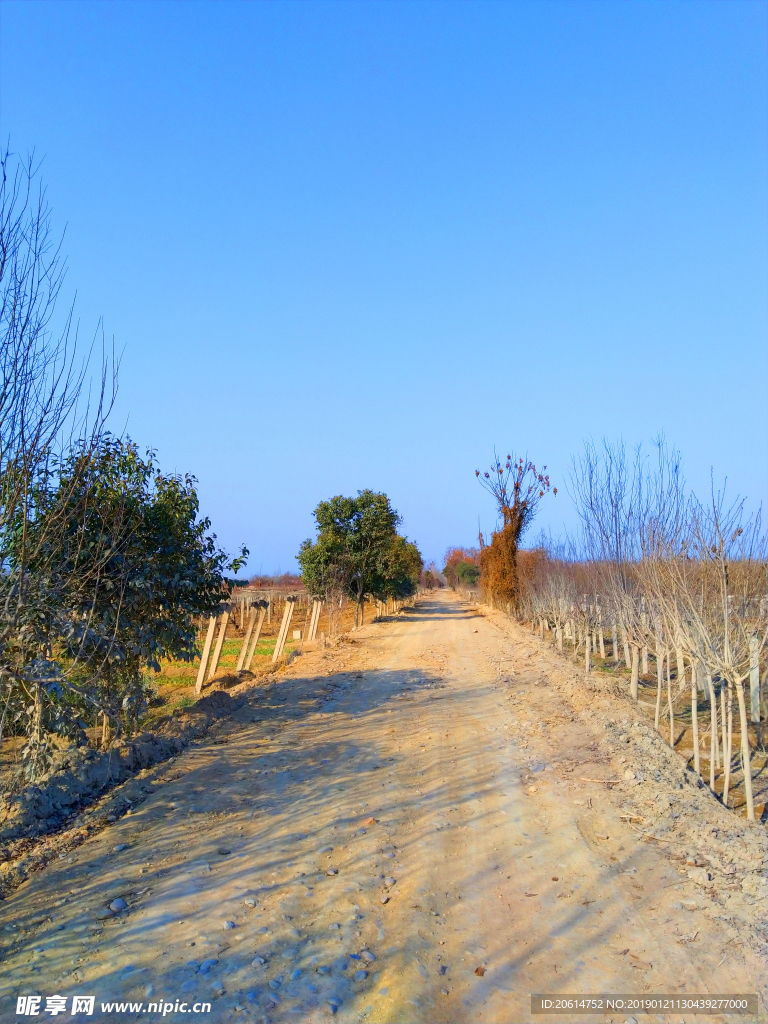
x,y
668,576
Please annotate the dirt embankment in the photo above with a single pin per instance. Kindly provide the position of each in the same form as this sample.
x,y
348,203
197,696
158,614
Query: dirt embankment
x,y
80,777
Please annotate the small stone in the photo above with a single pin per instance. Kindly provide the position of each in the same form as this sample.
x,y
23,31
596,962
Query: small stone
x,y
370,821
335,1001
332,871
223,852
533,789
258,961
384,899
629,775
118,906
321,878
479,971
311,987
361,975
103,913
296,974
288,954
325,849
366,954
251,996
250,903
334,927
444,991
189,986
389,854
262,931
206,965
274,984
332,1008
229,924
325,969
390,880
111,818
120,847
700,876
361,832
689,904
443,968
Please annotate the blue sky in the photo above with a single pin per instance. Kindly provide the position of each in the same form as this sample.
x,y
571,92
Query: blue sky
x,y
348,245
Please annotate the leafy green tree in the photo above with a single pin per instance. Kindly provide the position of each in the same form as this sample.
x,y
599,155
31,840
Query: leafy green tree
x,y
400,572
358,551
121,574
467,573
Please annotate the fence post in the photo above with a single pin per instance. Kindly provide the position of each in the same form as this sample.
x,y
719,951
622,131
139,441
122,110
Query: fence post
x,y
246,639
219,642
262,605
204,656
281,636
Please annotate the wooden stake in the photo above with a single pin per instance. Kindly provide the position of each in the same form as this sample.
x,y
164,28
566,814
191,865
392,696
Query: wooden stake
x,y
204,657
246,640
219,642
281,637
262,605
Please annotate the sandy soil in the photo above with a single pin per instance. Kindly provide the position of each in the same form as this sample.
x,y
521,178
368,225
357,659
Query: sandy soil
x,y
405,834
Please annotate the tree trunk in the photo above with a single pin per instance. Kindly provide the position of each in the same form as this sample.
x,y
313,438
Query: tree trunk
x,y
726,712
587,658
695,719
670,706
659,684
602,643
633,683
680,668
560,638
714,746
745,750
627,656
754,680
645,661
615,645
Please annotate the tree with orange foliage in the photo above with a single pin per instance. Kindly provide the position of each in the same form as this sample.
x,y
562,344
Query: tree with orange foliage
x,y
517,488
461,566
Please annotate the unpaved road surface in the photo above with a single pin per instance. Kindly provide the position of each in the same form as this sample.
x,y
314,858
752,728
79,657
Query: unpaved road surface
x,y
405,836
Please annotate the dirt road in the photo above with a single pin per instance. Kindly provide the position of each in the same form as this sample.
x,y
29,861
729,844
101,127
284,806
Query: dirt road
x,y
403,837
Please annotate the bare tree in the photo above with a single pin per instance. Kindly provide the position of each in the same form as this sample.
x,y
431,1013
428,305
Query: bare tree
x,y
46,405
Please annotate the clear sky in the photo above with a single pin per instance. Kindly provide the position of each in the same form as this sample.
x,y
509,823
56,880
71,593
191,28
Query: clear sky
x,y
358,244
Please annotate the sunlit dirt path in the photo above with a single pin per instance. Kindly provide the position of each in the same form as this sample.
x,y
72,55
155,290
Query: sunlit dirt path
x,y
402,838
